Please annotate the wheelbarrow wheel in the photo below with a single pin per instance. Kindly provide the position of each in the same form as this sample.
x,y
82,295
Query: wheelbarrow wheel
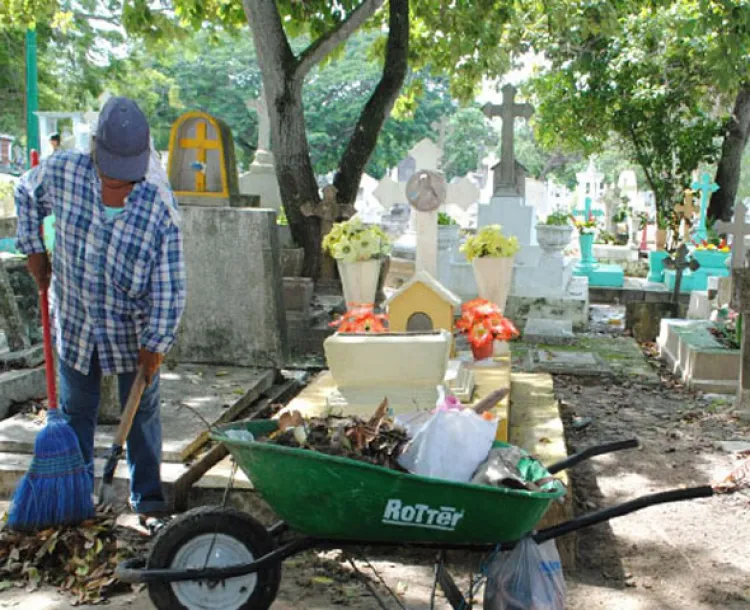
x,y
226,537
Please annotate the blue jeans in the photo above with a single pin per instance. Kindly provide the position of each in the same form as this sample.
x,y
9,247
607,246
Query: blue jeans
x,y
79,401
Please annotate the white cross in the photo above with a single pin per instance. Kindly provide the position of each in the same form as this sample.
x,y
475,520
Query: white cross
x,y
738,228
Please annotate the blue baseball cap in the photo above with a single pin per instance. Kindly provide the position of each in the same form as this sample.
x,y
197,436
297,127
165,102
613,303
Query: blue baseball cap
x,y
123,142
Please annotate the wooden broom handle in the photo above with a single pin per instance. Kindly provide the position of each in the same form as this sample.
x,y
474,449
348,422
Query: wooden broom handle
x,y
131,408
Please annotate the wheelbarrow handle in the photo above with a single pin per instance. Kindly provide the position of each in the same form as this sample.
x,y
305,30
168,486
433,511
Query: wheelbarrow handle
x,y
590,452
663,497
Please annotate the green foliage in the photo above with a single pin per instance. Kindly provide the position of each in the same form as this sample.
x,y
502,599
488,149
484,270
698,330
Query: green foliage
x,y
643,72
469,135
445,220
558,218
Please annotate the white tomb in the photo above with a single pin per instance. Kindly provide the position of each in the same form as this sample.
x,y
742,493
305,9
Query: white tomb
x,y
261,179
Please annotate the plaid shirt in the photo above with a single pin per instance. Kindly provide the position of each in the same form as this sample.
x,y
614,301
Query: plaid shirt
x,y
118,283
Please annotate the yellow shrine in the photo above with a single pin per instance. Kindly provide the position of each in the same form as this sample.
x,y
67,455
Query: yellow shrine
x,y
422,304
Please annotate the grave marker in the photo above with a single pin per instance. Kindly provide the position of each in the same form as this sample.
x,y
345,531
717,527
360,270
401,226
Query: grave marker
x,y
741,302
738,228
679,263
260,107
202,165
426,192
328,211
587,212
687,210
706,187
506,179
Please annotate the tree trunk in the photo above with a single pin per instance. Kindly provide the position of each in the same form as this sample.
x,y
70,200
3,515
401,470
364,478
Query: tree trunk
x,y
728,171
378,107
282,82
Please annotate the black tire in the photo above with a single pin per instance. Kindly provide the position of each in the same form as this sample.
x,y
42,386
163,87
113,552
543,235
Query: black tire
x,y
210,520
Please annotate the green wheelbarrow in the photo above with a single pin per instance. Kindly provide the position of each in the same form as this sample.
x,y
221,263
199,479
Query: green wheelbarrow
x,y
222,558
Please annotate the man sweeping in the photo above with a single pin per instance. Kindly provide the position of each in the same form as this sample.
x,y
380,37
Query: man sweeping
x,y
118,281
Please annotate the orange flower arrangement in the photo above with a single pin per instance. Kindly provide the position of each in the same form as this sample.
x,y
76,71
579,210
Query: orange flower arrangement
x,y
361,319
483,322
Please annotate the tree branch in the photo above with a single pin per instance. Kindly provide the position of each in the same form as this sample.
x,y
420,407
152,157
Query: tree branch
x,y
271,43
319,49
378,107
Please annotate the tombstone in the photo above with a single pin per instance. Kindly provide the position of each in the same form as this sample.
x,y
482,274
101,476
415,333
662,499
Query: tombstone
x,y
260,180
737,229
686,210
507,175
367,206
329,211
741,303
202,165
598,274
680,264
706,187
590,184
426,192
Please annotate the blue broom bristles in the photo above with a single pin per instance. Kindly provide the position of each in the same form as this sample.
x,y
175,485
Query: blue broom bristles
x,y
57,489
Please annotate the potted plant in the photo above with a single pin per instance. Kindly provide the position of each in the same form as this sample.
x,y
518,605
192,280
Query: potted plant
x,y
484,324
554,233
491,254
586,234
361,320
359,251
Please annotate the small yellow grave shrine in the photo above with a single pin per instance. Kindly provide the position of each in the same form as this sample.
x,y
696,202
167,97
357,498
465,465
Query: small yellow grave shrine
x,y
422,304
202,164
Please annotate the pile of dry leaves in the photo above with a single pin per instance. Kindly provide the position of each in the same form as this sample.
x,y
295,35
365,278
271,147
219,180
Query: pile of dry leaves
x,y
376,441
79,560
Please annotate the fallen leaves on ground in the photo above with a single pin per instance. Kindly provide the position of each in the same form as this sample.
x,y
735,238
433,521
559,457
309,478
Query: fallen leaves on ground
x,y
79,560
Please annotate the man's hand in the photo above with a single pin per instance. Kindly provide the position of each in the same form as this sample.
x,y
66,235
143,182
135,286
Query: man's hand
x,y
39,267
150,363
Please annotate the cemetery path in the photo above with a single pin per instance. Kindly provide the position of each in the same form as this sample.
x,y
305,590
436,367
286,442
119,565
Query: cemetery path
x,y
689,555
692,555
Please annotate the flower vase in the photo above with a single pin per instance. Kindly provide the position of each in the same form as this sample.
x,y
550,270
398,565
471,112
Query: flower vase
x,y
586,243
661,239
494,276
359,281
483,351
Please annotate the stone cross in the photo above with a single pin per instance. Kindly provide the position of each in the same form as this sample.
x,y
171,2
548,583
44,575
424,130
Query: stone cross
x,y
260,106
706,187
587,212
738,228
679,263
687,210
741,302
329,211
508,111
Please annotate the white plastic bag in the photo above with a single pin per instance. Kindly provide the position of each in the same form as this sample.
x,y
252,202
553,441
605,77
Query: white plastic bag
x,y
450,445
529,577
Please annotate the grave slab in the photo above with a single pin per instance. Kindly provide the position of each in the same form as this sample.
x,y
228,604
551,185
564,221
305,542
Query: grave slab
x,y
697,357
217,394
606,276
22,359
548,332
566,362
20,386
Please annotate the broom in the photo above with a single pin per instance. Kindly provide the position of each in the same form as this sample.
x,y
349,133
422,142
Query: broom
x,y
57,489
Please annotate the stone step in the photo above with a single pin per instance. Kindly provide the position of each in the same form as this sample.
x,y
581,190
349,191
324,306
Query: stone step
x,y
19,386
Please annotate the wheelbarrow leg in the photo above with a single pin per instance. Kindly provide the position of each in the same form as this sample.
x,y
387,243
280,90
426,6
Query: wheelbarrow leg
x,y
448,585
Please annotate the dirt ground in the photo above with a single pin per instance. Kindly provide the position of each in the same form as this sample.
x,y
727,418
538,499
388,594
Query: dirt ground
x,y
692,555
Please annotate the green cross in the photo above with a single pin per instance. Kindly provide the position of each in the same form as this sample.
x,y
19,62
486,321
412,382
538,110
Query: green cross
x,y
587,212
706,187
